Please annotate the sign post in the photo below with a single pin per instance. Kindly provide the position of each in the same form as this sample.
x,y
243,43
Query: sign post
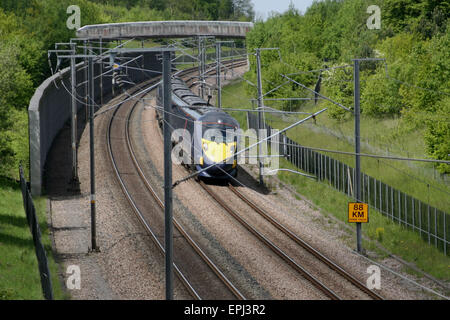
x,y
168,215
358,212
357,150
357,111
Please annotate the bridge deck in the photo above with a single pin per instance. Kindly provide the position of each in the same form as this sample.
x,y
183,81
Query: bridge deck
x,y
165,29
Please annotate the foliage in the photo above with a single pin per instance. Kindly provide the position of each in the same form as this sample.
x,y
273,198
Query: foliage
x,y
18,264
414,40
186,9
438,134
338,85
28,28
15,90
425,18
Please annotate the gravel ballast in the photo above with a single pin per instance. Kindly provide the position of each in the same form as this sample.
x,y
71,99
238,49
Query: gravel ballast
x,y
129,266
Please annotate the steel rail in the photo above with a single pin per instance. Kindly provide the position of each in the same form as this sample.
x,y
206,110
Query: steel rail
x,y
307,246
313,280
236,64
177,225
140,215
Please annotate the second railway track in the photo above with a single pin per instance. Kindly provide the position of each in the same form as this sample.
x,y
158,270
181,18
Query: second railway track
x,y
333,290
198,273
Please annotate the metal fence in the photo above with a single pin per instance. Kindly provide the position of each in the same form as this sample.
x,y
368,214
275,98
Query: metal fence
x,y
30,212
430,222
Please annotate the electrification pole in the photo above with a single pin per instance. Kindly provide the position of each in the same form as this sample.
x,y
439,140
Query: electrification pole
x,y
201,67
91,106
86,86
357,150
168,175
101,72
357,95
232,59
219,85
260,108
218,71
75,182
200,63
204,56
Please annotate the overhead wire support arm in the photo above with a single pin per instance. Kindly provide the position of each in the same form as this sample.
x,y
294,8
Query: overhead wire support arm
x,y
275,89
294,171
315,92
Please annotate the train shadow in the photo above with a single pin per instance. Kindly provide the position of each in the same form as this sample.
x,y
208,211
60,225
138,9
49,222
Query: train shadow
x,y
57,177
58,166
246,180
243,180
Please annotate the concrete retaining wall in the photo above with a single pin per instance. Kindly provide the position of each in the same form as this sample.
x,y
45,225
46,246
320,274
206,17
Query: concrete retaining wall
x,y
50,107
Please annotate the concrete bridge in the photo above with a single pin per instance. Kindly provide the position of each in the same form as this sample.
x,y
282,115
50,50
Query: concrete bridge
x,y
165,29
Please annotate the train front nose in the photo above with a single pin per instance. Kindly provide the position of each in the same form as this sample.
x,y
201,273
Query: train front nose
x,y
221,155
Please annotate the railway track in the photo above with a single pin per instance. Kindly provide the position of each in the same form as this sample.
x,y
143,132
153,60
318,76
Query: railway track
x,y
201,277
199,281
310,276
316,253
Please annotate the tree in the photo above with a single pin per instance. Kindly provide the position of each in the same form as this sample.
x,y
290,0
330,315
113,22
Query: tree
x,y
15,91
437,137
243,9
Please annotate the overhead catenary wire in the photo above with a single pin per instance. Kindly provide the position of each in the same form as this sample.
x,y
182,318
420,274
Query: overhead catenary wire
x,y
387,76
321,149
370,155
363,256
370,260
313,148
315,92
409,84
252,146
116,105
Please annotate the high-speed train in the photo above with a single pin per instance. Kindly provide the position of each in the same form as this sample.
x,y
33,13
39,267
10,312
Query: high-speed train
x,y
205,134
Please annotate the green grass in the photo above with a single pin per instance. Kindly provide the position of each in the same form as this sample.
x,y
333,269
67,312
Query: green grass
x,y
234,96
19,275
411,178
398,240
378,136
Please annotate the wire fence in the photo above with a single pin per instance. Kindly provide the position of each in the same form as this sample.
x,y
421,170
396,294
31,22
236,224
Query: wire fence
x,y
430,222
30,212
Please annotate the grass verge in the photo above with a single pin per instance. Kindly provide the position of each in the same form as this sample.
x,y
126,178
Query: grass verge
x,y
395,238
400,241
19,273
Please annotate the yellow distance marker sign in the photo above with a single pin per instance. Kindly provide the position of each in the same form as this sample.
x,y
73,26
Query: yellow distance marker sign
x,y
358,212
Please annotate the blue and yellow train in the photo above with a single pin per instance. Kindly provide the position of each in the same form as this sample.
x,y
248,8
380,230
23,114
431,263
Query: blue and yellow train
x,y
206,135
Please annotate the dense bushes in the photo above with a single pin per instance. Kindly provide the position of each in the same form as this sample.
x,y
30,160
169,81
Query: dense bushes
x,y
28,28
414,39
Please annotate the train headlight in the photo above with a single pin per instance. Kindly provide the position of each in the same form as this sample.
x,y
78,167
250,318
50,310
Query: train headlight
x,y
205,146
